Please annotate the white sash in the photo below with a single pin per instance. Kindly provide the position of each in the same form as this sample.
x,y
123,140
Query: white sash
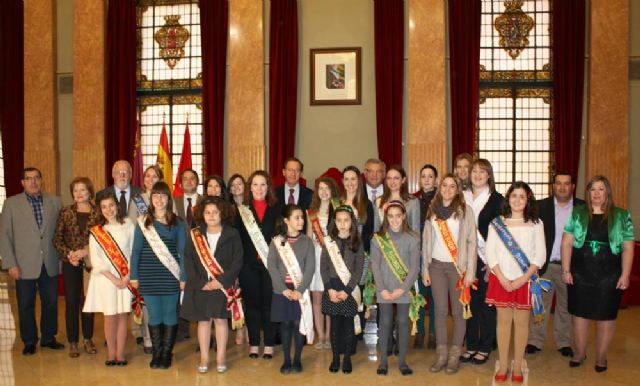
x,y
259,243
293,269
159,248
345,276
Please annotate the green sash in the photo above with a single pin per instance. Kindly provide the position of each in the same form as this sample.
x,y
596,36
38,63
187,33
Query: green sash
x,y
400,271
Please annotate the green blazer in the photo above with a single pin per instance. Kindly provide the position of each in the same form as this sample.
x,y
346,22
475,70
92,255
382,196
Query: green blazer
x,y
619,222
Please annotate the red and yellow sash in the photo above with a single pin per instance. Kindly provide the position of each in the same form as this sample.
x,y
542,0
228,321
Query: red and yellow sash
x,y
315,225
452,247
120,263
211,265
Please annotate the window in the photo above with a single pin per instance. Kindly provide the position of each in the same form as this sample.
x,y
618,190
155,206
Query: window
x,y
516,91
169,78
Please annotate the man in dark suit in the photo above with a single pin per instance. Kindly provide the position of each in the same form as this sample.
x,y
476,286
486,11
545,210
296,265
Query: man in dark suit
x,y
185,205
121,173
26,246
374,172
554,213
292,192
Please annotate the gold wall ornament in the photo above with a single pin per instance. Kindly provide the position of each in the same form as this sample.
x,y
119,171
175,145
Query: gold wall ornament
x,y
514,26
172,38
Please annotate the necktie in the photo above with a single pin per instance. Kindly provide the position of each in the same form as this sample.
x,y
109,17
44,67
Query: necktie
x,y
291,199
189,214
122,204
374,195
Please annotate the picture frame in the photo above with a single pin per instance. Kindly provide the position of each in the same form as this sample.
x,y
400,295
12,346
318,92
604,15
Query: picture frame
x,y
336,75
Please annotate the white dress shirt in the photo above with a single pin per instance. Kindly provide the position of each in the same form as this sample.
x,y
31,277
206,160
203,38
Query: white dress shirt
x,y
477,205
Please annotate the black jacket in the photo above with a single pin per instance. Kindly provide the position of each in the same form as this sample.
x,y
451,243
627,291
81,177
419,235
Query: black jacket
x,y
490,211
267,227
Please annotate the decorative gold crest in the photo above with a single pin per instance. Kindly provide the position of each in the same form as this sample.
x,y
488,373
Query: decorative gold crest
x,y
172,38
514,26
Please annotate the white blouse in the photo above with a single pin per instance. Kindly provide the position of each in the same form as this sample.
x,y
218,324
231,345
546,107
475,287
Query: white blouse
x,y
440,250
530,238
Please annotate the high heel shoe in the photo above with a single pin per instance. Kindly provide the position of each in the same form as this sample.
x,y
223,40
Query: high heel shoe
x,y
601,369
517,378
574,363
500,378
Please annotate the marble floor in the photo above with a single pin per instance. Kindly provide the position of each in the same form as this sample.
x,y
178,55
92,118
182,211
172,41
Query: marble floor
x,y
52,368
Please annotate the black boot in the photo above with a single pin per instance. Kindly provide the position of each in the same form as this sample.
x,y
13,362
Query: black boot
x,y
168,340
156,333
335,363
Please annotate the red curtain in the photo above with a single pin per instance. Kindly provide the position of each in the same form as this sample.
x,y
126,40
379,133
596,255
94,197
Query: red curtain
x,y
389,61
568,82
12,92
120,90
464,54
214,27
283,82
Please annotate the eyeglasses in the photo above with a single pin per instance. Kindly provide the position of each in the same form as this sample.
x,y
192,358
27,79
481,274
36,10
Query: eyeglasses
x,y
33,178
123,173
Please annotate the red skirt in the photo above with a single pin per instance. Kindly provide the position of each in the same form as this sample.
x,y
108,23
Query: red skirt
x,y
499,297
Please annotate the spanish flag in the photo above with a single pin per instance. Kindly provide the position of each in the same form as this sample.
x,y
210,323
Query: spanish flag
x,y
164,158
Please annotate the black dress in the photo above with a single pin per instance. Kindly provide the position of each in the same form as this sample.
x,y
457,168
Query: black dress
x,y
594,295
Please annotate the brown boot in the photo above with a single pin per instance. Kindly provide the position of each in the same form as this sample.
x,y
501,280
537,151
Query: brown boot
x,y
418,341
441,359
454,360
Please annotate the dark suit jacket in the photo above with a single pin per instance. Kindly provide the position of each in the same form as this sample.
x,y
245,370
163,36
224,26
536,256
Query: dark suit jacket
x,y
22,243
304,200
178,203
134,190
547,212
267,227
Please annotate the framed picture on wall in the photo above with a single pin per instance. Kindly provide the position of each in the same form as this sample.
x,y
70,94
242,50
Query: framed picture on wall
x,y
335,76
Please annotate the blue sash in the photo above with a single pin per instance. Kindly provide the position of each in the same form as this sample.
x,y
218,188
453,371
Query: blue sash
x,y
141,206
537,283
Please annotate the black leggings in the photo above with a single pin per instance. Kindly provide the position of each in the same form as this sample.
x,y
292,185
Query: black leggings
x,y
342,334
74,299
289,331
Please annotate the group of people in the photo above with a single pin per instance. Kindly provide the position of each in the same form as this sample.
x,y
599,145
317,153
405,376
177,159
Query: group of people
x,y
290,263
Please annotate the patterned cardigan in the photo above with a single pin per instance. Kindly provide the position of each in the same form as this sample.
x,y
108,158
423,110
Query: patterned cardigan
x,y
68,236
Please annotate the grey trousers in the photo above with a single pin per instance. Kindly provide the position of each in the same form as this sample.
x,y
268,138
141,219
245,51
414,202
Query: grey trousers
x,y
561,316
386,325
444,278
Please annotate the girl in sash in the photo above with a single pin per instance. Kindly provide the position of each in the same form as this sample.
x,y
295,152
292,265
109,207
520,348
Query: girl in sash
x,y
291,266
157,269
396,187
449,267
108,292
256,222
395,261
213,247
486,202
341,269
510,285
318,216
355,195
236,186
152,174
428,184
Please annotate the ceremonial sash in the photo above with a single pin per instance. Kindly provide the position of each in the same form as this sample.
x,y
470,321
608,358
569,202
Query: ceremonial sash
x,y
335,203
400,271
159,248
119,261
211,265
295,273
452,247
538,284
141,206
316,227
259,243
343,273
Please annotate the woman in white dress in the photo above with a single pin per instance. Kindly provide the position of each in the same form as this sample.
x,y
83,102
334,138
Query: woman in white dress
x,y
108,292
320,208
